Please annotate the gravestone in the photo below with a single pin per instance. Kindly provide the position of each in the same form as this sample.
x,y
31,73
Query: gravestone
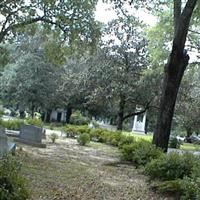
x,y
31,135
139,123
5,145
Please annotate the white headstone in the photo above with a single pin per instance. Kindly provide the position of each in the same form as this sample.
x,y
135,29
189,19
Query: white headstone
x,y
139,125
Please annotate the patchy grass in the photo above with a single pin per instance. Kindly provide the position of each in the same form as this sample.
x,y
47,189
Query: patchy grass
x,y
140,136
66,170
190,147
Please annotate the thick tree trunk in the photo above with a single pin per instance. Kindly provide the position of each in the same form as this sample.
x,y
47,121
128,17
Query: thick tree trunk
x,y
68,114
120,116
47,116
174,71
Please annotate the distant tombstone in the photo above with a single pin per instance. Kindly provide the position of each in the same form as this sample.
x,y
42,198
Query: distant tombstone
x,y
31,135
91,125
139,123
5,145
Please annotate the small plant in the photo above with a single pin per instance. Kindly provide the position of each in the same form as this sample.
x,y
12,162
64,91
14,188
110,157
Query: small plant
x,y
83,139
51,126
12,185
53,137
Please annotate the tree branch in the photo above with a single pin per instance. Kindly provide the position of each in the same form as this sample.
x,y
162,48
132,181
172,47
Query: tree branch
x,y
183,26
139,112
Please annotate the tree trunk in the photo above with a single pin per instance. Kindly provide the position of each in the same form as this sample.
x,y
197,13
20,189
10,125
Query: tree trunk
x,y
32,111
121,113
22,114
68,114
189,133
174,70
48,116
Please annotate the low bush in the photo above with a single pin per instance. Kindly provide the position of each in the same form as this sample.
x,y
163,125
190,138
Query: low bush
x,y
53,137
34,122
83,139
184,189
140,152
126,140
12,124
172,166
174,143
12,185
78,119
190,188
72,131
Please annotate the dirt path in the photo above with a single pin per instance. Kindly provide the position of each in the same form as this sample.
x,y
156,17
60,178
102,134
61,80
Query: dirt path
x,y
67,171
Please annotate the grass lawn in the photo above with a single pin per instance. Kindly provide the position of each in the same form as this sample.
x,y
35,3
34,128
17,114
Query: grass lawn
x,y
68,171
191,147
147,137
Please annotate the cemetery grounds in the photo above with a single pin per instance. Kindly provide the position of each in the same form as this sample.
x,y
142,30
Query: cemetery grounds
x,y
66,170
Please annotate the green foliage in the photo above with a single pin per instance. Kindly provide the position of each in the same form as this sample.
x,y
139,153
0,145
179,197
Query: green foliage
x,y
12,124
83,139
97,135
184,189
1,113
172,166
34,122
53,137
140,152
190,188
126,140
73,131
174,143
12,185
78,119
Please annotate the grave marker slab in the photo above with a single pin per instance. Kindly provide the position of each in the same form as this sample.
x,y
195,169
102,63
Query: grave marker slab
x,y
31,135
5,145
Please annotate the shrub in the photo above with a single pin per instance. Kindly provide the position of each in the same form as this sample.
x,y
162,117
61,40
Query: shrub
x,y
98,135
126,140
174,143
12,124
78,119
51,126
172,166
53,137
184,189
12,185
140,152
190,188
83,139
34,122
73,131
1,113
